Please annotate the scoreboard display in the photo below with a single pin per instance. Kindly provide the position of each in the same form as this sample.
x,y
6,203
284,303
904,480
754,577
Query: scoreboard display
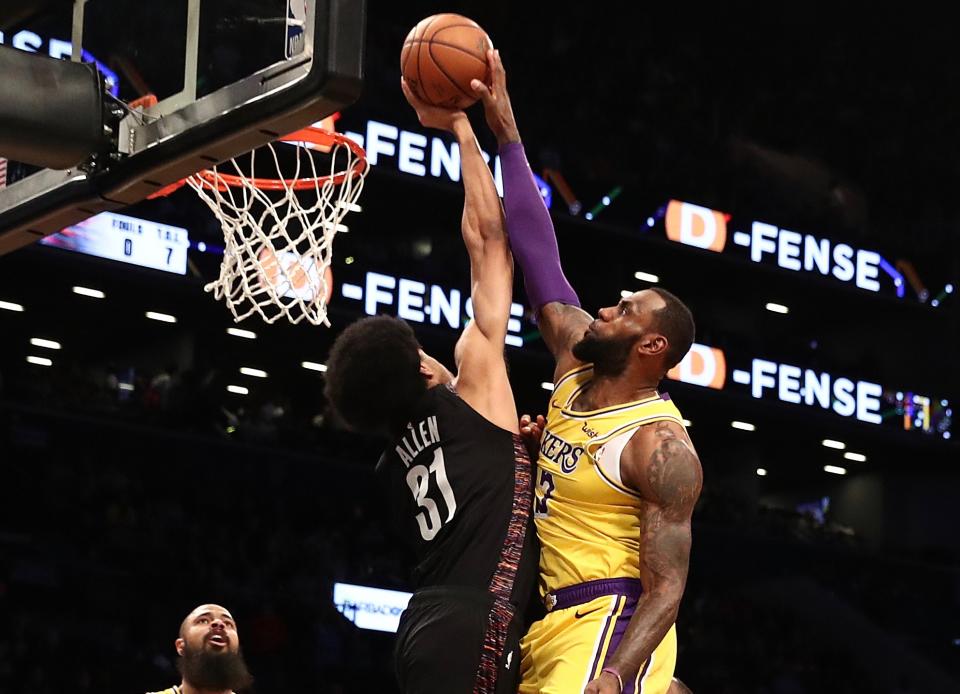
x,y
128,240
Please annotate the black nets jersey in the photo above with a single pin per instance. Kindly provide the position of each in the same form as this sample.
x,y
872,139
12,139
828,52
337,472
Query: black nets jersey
x,y
462,494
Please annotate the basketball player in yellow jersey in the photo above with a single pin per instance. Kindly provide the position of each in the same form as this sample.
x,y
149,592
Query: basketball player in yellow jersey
x,y
618,476
209,648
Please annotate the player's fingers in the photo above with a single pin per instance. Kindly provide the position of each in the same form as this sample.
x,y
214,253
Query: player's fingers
x,y
413,96
407,92
491,61
481,90
524,420
498,72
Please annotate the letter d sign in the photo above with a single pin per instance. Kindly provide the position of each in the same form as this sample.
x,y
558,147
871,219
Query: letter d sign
x,y
696,226
703,366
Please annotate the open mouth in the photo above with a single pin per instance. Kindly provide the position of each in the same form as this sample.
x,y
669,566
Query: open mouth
x,y
218,640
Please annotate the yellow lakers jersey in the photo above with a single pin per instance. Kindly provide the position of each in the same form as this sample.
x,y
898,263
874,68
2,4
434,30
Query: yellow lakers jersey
x,y
587,519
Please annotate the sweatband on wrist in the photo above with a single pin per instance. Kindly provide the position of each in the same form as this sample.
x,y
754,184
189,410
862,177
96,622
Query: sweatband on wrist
x,y
616,674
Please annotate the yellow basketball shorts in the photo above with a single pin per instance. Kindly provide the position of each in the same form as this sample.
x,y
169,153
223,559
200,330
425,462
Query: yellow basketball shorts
x,y
569,647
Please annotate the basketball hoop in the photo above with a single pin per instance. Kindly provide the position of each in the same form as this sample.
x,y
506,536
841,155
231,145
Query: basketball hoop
x,y
279,230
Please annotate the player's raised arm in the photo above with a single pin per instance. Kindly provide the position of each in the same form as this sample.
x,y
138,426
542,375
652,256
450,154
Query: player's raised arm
x,y
482,376
532,237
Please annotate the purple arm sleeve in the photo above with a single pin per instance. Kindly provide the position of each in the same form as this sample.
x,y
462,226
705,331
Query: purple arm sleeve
x,y
530,229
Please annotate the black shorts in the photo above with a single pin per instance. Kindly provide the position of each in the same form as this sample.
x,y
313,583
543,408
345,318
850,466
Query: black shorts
x,y
444,634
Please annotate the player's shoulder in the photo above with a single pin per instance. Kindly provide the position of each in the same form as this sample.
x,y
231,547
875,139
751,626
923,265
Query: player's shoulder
x,y
659,457
171,690
665,431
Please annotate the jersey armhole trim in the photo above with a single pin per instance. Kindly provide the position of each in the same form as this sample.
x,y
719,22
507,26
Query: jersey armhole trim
x,y
571,374
634,426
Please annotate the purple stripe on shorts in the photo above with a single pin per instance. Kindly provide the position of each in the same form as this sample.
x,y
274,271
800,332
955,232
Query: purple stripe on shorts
x,y
619,628
603,637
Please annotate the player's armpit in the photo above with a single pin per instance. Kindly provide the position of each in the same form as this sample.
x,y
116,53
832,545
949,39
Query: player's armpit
x,y
562,326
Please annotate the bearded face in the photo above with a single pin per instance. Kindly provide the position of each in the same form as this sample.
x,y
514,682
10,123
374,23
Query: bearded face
x,y
608,355
209,648
214,671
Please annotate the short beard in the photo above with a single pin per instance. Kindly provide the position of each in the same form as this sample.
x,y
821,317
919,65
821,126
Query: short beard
x,y
214,672
609,357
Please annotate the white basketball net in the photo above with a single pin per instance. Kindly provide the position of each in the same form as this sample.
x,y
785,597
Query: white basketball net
x,y
279,243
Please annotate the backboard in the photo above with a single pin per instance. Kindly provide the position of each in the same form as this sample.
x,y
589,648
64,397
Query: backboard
x,y
228,75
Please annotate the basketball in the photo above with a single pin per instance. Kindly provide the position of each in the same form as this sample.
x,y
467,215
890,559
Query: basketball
x,y
440,56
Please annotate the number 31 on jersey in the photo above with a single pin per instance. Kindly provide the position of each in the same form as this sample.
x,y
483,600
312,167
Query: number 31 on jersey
x,y
418,479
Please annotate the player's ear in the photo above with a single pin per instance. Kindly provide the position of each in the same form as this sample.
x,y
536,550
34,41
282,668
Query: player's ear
x,y
652,344
179,645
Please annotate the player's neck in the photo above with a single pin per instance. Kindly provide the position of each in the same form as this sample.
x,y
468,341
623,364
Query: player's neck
x,y
607,391
187,688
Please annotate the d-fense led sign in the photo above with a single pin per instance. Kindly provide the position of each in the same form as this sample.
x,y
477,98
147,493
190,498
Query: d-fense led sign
x,y
370,608
414,153
418,302
128,240
701,227
765,379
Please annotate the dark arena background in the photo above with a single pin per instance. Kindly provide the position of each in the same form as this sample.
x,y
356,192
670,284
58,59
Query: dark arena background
x,y
791,175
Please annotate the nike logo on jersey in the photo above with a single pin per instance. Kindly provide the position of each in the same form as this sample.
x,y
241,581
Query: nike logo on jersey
x,y
509,660
580,615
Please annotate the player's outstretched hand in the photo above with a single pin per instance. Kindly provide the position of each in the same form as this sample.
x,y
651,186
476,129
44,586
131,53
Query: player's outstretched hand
x,y
496,101
604,684
432,116
531,430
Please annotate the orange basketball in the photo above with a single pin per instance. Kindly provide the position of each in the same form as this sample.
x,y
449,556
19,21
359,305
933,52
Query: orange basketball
x,y
440,56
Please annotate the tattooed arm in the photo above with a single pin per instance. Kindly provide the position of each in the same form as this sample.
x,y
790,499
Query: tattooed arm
x,y
662,466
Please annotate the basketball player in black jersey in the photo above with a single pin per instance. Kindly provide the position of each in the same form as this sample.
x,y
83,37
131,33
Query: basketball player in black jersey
x,y
456,468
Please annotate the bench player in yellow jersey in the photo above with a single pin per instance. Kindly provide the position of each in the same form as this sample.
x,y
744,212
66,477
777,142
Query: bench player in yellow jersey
x,y
618,476
210,660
